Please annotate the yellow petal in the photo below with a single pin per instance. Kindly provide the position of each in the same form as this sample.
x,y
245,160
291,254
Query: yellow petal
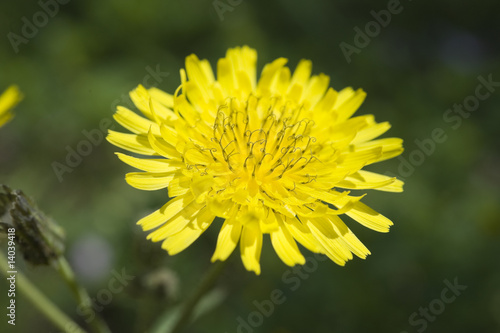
x,y
387,144
251,246
323,231
187,111
176,223
180,185
331,197
371,132
162,147
327,102
162,97
317,210
369,218
151,165
135,143
316,88
221,208
244,83
199,73
268,76
350,240
226,76
165,213
356,160
346,105
8,99
168,134
194,156
149,181
229,236
135,123
181,240
285,246
140,96
343,96
283,80
249,64
198,97
207,71
302,234
365,180
301,74
268,222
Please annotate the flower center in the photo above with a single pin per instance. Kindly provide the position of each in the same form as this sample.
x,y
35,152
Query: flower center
x,y
258,142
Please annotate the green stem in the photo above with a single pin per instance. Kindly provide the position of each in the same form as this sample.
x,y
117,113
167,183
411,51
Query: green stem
x,y
206,284
40,301
184,314
97,324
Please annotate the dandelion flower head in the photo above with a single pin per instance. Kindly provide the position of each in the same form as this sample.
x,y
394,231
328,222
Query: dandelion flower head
x,y
277,155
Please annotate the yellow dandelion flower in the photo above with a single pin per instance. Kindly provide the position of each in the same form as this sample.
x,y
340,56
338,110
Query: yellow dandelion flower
x,y
8,100
273,156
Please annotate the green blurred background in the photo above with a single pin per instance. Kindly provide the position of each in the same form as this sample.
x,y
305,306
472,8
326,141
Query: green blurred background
x,y
83,61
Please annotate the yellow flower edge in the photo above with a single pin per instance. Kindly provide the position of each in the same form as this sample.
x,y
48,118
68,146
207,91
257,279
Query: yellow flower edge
x,y
278,156
8,100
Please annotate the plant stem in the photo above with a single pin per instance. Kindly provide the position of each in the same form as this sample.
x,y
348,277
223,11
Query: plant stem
x,y
40,301
97,324
183,315
206,284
